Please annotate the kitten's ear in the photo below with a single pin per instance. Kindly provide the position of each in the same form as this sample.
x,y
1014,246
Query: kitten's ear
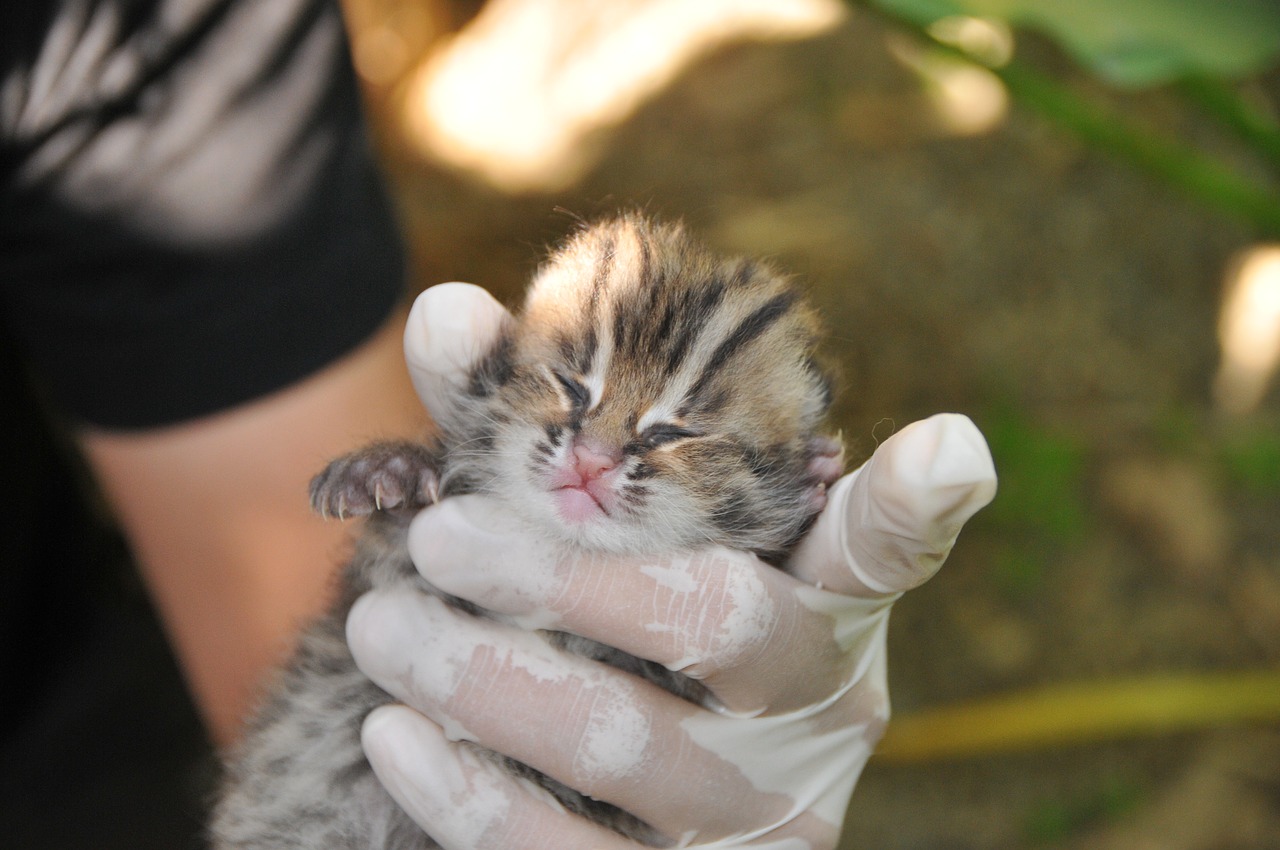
x,y
453,332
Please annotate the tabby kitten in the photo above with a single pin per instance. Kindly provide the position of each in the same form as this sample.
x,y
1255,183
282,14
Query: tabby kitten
x,y
650,397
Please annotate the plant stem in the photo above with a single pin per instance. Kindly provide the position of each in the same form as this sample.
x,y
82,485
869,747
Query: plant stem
x,y
1195,173
1251,123
1081,713
1186,168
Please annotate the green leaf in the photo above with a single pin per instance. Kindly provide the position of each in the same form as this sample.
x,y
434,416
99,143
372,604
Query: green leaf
x,y
1252,460
1041,477
1134,42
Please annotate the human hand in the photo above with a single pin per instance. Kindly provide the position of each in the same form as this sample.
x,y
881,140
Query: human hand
x,y
796,661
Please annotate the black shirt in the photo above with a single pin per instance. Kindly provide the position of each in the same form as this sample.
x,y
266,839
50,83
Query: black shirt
x,y
190,214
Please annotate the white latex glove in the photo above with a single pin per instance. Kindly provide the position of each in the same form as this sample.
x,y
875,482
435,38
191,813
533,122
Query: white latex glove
x,y
797,661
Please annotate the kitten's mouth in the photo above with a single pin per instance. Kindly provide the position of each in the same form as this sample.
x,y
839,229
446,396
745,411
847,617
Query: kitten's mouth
x,y
578,504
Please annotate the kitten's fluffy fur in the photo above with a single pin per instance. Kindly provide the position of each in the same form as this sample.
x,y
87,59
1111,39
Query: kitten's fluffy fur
x,y
695,376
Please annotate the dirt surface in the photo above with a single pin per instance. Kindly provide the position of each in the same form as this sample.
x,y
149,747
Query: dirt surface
x,y
1065,302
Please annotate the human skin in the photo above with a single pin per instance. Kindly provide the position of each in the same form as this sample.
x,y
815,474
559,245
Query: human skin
x,y
215,511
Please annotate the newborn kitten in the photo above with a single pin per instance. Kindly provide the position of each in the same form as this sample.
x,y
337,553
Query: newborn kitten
x,y
650,397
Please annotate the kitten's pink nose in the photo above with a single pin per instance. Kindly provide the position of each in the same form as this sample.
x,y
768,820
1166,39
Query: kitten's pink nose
x,y
592,461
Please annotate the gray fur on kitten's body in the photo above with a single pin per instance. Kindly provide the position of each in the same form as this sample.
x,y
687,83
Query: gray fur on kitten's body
x,y
694,374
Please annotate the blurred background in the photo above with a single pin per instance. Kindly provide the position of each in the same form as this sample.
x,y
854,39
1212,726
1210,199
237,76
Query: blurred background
x,y
1060,218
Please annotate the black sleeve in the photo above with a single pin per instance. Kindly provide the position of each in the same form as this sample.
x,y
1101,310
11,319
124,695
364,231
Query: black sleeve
x,y
190,213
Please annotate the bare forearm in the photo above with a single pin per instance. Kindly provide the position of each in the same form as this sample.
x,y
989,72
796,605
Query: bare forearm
x,y
217,516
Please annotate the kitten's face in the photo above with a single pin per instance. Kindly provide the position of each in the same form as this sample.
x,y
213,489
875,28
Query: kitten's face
x,y
658,398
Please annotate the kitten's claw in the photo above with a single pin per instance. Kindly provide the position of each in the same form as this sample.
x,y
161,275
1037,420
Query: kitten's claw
x,y
380,477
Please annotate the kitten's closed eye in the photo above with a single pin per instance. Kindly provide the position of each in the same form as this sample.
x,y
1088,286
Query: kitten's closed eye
x,y
663,433
578,395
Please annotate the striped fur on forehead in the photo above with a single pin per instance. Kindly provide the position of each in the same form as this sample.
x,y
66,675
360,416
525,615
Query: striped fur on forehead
x,y
647,315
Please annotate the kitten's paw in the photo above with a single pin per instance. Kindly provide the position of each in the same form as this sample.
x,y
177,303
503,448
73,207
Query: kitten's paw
x,y
826,465
379,477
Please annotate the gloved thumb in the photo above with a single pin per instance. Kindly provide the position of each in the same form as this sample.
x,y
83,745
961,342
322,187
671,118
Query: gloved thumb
x,y
450,327
890,524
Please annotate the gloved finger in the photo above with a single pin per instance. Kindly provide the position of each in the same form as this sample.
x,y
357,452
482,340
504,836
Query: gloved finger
x,y
450,327
719,616
890,524
594,728
463,800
